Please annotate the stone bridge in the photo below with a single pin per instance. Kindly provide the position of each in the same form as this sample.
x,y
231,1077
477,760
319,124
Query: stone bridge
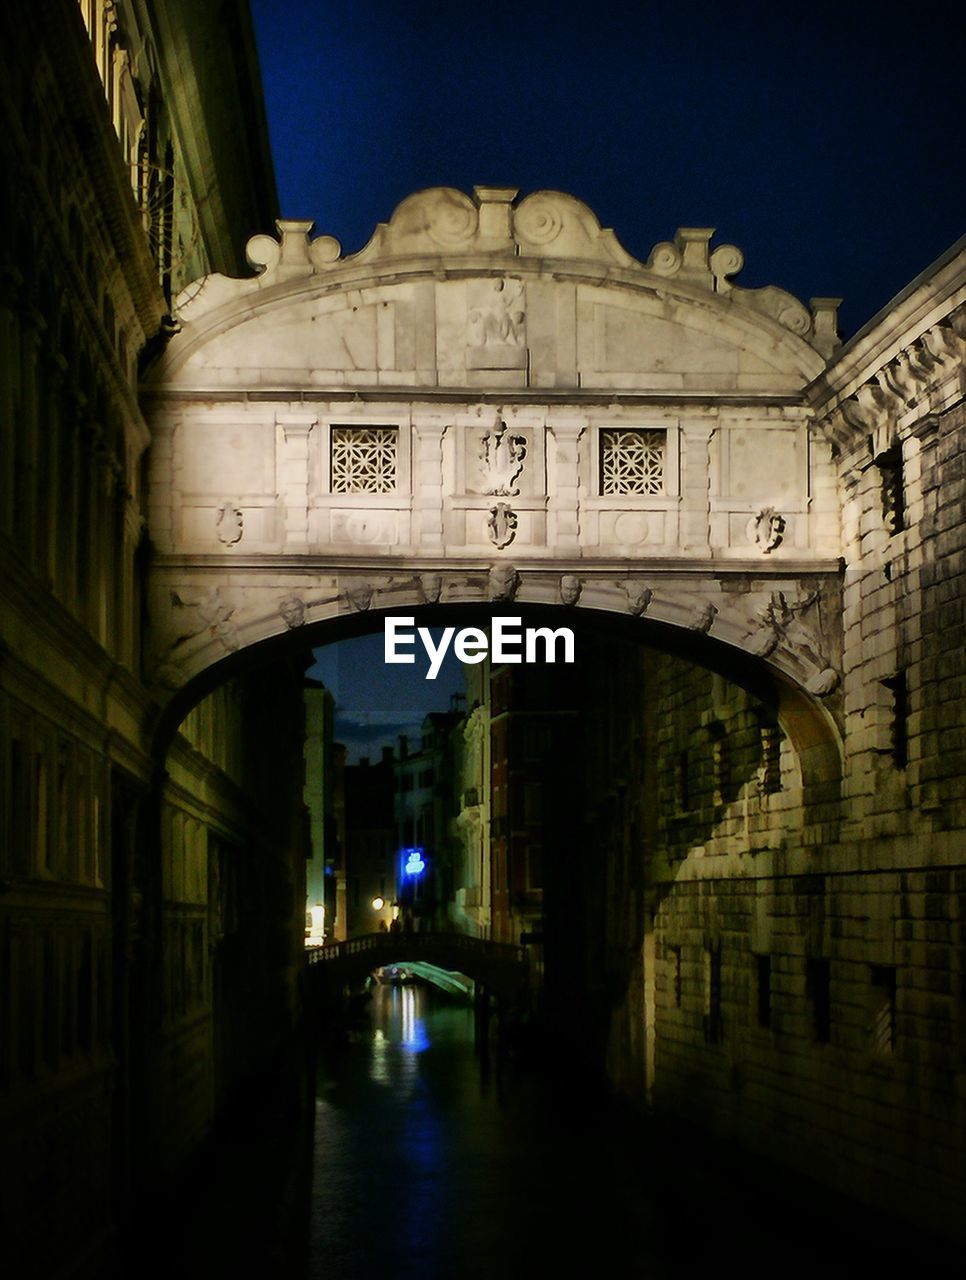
x,y
494,404
502,968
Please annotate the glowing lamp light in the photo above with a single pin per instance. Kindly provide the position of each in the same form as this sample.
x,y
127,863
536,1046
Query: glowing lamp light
x,y
378,903
415,864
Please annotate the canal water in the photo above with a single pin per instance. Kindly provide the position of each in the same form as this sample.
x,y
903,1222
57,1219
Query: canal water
x,y
430,1164
426,1161
426,1164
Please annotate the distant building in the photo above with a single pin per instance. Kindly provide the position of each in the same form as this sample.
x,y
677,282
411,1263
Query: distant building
x,y
319,792
425,805
469,904
370,844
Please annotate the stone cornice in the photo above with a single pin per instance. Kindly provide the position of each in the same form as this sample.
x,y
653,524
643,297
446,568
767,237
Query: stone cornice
x,y
905,365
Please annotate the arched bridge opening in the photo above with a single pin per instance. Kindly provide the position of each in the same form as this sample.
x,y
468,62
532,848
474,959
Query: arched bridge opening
x,y
502,969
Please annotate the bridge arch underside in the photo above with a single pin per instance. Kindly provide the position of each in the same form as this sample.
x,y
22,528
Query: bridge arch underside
x,y
779,682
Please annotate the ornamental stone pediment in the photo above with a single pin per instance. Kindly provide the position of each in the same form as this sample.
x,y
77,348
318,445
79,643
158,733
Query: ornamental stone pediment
x,y
486,291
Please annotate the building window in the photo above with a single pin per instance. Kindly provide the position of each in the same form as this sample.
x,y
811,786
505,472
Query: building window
x,y
632,461
899,728
770,769
534,866
682,782
721,762
676,985
893,489
818,989
713,1031
364,459
532,803
882,1022
763,966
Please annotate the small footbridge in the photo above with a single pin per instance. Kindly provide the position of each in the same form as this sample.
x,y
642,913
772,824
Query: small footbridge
x,y
500,967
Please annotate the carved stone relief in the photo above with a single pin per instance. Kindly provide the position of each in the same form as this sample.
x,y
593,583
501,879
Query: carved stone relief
x,y
766,530
212,615
498,318
703,618
230,524
430,587
292,610
496,325
570,588
359,594
638,598
501,460
780,623
503,582
502,525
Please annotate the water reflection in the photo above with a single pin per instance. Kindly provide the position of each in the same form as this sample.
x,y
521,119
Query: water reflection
x,y
414,1037
423,1169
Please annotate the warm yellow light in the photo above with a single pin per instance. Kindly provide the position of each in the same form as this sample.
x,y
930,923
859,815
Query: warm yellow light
x,y
378,903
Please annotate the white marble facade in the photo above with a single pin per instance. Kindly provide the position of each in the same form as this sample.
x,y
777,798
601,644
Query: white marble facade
x,y
487,380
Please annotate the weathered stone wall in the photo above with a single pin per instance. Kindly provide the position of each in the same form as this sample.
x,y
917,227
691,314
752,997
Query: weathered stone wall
x,y
805,984
82,291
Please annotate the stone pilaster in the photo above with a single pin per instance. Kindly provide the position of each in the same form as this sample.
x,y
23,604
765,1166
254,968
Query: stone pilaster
x,y
563,505
696,440
292,469
428,483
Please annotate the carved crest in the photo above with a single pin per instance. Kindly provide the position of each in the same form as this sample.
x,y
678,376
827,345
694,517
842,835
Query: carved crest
x,y
502,525
501,460
230,524
766,529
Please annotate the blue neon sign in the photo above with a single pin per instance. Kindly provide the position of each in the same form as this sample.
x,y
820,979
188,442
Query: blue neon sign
x,y
415,863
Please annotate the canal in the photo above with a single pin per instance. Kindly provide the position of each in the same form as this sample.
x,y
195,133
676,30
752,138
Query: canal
x,y
427,1164
424,1161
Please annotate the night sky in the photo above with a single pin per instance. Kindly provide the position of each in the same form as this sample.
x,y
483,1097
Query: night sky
x,y
825,141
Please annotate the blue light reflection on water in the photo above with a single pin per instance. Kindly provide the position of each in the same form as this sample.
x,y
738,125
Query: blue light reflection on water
x,y
424,1167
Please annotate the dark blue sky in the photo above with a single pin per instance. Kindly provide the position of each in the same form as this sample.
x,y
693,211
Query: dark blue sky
x,y
375,702
825,141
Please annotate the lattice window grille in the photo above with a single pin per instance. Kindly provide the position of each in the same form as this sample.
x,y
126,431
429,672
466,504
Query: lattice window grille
x,y
364,459
632,461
